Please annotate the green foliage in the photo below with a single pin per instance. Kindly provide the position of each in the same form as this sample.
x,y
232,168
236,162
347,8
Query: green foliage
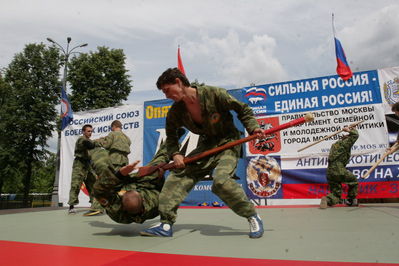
x,y
34,81
98,79
13,179
29,93
43,174
32,88
196,83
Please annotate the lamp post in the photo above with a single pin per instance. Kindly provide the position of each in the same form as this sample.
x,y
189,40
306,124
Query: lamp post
x,y
67,52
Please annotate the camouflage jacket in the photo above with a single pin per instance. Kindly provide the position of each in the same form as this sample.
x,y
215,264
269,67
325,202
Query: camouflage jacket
x,y
217,126
116,141
81,151
340,151
149,188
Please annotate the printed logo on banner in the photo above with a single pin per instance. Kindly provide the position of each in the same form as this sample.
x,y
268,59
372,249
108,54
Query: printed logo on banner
x,y
272,142
391,90
264,176
255,97
64,108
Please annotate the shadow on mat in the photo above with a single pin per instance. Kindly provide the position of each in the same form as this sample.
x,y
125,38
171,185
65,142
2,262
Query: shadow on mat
x,y
211,230
127,230
133,230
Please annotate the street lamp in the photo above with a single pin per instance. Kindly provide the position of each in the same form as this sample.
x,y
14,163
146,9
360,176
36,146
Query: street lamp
x,y
67,52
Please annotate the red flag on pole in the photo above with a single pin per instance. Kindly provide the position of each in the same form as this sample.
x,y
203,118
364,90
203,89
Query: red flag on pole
x,y
179,61
343,69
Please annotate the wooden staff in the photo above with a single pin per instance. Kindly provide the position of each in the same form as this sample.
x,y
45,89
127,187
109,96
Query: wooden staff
x,y
394,148
332,135
147,170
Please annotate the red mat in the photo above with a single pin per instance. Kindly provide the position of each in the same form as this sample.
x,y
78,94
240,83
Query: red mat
x,y
21,253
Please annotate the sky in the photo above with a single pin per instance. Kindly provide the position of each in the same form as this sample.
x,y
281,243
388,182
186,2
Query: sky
x,y
225,43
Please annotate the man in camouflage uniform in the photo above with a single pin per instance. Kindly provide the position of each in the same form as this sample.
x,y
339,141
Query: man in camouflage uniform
x,y
337,174
118,145
204,111
128,198
82,172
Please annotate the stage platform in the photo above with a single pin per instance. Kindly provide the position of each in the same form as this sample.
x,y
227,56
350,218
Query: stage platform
x,y
294,235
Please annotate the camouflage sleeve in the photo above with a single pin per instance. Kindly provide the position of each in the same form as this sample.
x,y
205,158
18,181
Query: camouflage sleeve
x,y
161,156
97,142
79,147
351,139
244,112
107,141
88,144
173,123
79,143
343,146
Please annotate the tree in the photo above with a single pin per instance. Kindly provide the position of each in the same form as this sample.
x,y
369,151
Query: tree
x,y
6,152
43,174
98,79
196,83
28,115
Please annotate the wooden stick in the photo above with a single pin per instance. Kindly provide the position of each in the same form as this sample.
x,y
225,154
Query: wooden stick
x,y
147,170
327,137
394,148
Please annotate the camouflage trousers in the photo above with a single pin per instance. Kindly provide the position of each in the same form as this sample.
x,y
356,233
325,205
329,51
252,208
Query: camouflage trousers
x,y
336,176
82,173
180,182
107,184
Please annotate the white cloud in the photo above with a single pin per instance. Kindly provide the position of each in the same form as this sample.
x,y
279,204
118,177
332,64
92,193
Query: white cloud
x,y
235,62
373,42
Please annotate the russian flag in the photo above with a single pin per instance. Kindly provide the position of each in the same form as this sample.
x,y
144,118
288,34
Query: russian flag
x,y
66,110
343,69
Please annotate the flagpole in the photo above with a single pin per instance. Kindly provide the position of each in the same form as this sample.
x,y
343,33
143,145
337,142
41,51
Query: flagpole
x,y
54,196
332,23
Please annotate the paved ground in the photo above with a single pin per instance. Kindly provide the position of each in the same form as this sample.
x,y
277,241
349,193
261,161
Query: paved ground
x,y
369,233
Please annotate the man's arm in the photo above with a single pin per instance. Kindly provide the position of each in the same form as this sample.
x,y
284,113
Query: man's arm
x,y
107,141
352,137
244,112
173,123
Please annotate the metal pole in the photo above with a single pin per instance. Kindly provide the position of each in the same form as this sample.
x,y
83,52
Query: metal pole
x,y
54,196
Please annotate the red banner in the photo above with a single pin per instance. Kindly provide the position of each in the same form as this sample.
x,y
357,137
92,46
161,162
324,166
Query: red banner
x,y
366,190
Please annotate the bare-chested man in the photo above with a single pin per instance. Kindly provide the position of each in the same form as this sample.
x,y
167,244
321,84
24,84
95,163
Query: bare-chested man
x,y
204,111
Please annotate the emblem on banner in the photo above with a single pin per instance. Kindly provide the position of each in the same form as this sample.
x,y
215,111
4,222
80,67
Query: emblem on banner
x,y
64,108
391,91
264,176
269,144
255,95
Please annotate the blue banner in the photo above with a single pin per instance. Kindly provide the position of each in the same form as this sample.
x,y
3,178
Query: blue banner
x,y
313,94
